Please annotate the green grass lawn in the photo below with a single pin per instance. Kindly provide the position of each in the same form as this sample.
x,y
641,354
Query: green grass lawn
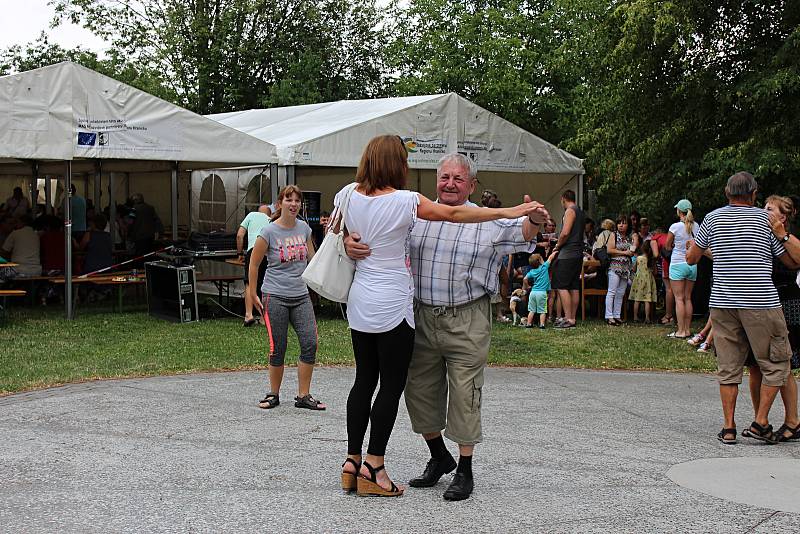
x,y
41,348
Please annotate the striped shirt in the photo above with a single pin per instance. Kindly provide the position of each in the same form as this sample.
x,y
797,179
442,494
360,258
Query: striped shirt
x,y
454,264
743,246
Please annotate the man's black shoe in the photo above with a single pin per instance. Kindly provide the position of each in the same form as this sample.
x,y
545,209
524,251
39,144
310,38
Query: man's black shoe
x,y
460,488
433,472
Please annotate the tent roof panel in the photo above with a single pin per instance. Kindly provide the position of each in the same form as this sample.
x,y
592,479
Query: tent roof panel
x,y
335,133
66,111
297,124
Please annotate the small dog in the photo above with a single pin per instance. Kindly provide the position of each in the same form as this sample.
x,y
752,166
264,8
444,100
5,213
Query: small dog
x,y
518,295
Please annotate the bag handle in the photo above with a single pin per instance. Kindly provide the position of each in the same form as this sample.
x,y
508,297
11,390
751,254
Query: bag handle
x,y
342,209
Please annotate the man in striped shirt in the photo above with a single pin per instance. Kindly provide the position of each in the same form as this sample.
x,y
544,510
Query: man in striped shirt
x,y
456,268
745,310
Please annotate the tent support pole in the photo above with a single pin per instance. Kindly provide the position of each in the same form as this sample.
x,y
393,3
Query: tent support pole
x,y
112,208
174,203
98,192
580,190
33,185
273,182
48,194
68,240
189,197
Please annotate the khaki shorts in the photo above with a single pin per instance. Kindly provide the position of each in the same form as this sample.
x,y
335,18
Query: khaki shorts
x,y
737,332
445,378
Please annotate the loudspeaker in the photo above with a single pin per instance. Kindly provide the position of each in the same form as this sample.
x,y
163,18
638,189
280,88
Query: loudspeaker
x,y
171,292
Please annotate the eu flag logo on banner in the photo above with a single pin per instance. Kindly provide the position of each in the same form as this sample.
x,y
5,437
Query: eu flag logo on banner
x,y
87,138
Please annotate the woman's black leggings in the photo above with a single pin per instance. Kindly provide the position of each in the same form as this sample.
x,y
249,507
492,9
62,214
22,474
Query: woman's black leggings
x,y
383,356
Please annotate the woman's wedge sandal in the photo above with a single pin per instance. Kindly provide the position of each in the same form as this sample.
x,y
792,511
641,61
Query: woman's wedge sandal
x,y
727,432
270,401
795,433
761,433
349,480
369,487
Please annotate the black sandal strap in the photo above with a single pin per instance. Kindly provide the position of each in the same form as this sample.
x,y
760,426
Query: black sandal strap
x,y
373,471
355,464
757,427
761,430
271,398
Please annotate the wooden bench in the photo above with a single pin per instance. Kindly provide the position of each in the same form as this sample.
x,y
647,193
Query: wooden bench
x,y
590,292
596,292
119,280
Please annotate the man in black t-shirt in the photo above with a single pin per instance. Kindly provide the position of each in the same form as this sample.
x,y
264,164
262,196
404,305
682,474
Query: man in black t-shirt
x,y
567,271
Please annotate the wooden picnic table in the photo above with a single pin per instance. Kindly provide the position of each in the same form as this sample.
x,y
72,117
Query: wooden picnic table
x,y
8,264
239,261
115,279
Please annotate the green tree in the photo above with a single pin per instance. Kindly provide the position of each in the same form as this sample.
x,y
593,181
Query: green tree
x,y
693,92
219,55
489,51
662,99
41,53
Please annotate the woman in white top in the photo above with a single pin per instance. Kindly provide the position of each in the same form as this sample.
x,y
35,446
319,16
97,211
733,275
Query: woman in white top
x,y
682,275
380,305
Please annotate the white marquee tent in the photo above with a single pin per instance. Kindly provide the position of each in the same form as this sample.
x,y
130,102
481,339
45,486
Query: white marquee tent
x,y
319,147
66,120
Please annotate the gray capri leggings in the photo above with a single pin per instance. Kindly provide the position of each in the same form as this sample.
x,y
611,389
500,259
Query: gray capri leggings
x,y
279,312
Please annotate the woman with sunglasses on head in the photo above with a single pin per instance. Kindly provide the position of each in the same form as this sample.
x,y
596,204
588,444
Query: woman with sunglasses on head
x,y
288,245
380,306
621,246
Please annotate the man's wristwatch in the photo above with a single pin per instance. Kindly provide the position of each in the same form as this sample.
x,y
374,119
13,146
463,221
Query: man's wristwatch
x,y
532,221
785,238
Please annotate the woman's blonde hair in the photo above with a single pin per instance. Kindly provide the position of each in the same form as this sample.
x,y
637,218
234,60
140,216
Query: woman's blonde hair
x,y
688,221
285,192
608,224
784,205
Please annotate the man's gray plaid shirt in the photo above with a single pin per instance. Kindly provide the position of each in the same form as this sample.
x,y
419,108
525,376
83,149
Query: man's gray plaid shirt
x,y
454,264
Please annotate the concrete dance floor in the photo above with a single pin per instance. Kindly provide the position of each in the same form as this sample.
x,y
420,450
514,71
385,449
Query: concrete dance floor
x,y
564,451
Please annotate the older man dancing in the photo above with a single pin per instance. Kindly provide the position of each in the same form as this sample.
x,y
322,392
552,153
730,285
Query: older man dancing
x,y
455,269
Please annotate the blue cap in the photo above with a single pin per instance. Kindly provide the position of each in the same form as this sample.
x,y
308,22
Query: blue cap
x,y
684,205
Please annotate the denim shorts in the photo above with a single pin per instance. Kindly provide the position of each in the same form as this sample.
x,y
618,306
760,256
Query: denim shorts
x,y
682,271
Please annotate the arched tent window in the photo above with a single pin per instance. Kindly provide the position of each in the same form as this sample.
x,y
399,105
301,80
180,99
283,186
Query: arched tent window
x,y
258,192
213,204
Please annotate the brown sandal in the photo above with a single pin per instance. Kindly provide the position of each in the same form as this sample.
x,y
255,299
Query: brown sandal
x,y
349,483
369,487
